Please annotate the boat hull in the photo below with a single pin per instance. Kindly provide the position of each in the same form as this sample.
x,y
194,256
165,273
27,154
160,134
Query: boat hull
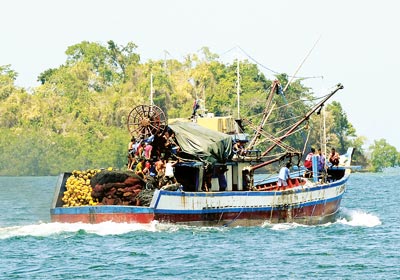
x,y
99,214
310,215
303,204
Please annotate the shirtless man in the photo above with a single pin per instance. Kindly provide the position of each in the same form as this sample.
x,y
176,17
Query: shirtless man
x,y
334,157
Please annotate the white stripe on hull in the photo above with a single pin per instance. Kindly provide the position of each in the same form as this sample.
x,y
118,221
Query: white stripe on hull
x,y
201,201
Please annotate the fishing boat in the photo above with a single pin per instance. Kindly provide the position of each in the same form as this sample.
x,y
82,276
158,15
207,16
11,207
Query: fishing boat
x,y
215,186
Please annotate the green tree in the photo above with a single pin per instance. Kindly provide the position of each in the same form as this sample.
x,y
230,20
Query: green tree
x,y
341,126
121,57
7,79
76,118
383,155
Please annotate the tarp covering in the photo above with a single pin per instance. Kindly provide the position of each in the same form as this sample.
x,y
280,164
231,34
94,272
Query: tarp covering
x,y
200,143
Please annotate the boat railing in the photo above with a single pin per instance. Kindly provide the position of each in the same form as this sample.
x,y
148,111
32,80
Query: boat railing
x,y
273,185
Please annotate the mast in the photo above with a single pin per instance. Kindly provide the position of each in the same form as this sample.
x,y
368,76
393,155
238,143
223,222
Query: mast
x,y
298,123
266,114
204,98
324,132
275,84
165,61
295,126
238,89
151,89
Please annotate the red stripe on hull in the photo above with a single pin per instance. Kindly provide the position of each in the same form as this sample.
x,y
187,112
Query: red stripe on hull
x,y
142,218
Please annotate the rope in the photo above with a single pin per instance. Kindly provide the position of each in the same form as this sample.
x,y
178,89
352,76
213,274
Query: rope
x,y
289,104
324,204
302,100
288,119
237,216
305,143
269,69
295,131
315,205
272,206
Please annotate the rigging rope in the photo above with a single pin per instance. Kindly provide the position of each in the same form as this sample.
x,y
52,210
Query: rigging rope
x,y
289,104
305,143
269,69
283,130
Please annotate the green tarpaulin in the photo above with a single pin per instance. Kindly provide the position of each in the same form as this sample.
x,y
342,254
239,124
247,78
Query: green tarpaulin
x,y
200,143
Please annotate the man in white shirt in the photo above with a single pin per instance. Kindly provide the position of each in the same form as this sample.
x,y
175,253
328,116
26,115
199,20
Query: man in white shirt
x,y
284,175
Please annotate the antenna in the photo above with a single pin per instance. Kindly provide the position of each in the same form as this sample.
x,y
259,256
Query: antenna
x,y
324,131
151,89
165,60
238,88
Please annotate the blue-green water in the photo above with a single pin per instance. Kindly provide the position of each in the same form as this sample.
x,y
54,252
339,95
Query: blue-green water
x,y
364,243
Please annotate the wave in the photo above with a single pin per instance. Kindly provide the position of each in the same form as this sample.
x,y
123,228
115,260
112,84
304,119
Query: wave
x,y
47,229
284,226
358,218
102,229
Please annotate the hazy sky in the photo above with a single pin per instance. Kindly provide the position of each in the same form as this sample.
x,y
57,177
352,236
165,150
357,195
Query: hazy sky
x,y
359,42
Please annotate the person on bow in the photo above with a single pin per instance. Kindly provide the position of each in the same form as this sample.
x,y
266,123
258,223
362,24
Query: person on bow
x,y
334,157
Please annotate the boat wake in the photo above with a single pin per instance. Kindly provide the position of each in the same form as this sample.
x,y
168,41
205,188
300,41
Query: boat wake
x,y
102,229
47,229
358,218
283,226
355,218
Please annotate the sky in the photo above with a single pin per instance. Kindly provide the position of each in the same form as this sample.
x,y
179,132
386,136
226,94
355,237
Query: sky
x,y
356,42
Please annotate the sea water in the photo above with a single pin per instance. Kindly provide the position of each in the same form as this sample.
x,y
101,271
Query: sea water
x,y
363,243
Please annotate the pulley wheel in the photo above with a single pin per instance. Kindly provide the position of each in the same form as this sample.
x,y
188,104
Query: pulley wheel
x,y
146,120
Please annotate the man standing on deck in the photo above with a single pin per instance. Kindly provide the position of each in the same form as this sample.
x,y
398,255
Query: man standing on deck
x,y
308,163
284,175
321,161
321,166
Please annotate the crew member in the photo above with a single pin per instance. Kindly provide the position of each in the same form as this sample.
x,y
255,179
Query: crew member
x,y
284,175
239,149
308,163
334,157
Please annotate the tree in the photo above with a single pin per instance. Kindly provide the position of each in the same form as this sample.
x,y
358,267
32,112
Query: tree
x,y
77,117
341,126
7,78
121,57
383,155
45,76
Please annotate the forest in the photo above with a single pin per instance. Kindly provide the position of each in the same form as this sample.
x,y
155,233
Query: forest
x,y
77,117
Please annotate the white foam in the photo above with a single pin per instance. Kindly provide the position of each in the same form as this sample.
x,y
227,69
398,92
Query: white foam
x,y
359,218
283,226
46,229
